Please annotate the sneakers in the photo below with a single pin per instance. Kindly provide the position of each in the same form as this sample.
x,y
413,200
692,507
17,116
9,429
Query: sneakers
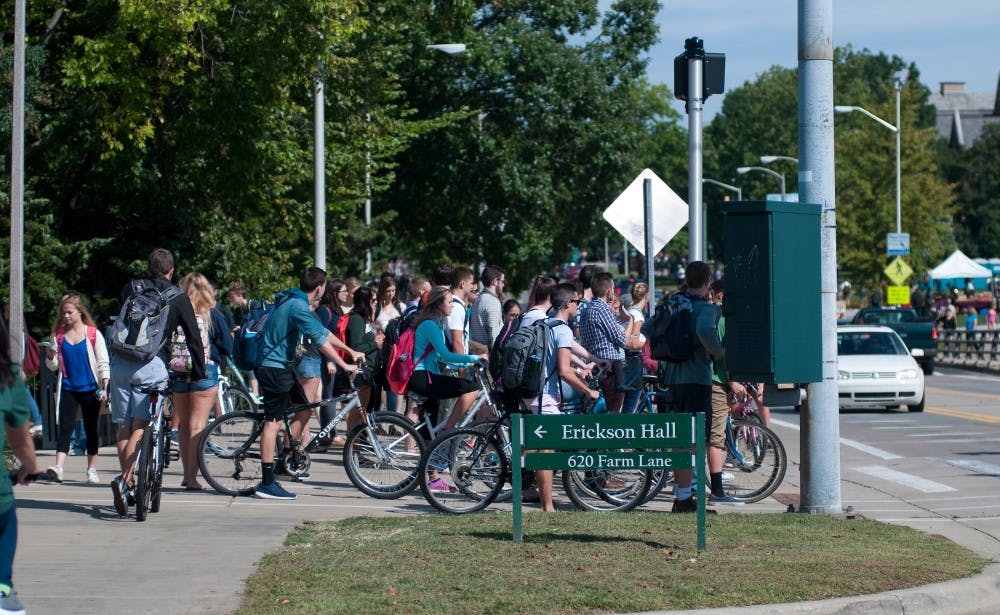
x,y
120,491
10,604
689,505
35,429
274,491
726,500
57,473
439,486
303,476
92,475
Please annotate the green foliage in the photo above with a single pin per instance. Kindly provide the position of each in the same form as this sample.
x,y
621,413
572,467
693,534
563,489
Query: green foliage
x,y
759,118
976,176
552,137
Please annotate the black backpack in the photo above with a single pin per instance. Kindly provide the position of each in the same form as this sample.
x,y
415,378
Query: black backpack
x,y
671,330
523,372
140,330
496,351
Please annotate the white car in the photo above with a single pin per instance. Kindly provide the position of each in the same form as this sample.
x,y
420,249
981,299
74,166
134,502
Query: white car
x,y
874,369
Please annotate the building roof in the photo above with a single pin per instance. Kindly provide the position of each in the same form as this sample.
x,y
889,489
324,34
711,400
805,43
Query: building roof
x,y
961,115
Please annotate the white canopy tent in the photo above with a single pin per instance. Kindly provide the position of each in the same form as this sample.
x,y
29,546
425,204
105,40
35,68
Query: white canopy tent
x,y
958,265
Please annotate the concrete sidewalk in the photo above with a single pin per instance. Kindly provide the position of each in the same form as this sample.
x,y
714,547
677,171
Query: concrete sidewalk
x,y
76,555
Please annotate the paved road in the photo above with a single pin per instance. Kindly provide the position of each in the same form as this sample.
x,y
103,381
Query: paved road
x,y
936,471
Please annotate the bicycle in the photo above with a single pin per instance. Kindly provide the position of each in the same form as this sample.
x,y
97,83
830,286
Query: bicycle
x,y
755,461
381,454
153,453
232,398
478,459
485,397
619,489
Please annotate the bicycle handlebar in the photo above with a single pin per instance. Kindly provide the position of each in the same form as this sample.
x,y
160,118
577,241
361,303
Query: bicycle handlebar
x,y
47,476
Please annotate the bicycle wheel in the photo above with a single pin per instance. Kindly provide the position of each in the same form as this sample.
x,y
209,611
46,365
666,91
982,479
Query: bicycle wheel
x,y
661,478
382,459
474,464
229,455
607,490
755,462
144,475
159,460
235,400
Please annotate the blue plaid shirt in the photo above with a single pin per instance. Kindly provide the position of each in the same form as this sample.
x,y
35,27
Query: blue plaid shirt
x,y
600,333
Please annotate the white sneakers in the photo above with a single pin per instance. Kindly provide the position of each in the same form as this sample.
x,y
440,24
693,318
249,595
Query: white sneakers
x,y
57,473
92,476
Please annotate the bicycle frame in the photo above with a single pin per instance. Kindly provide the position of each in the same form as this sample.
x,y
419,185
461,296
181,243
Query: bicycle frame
x,y
482,398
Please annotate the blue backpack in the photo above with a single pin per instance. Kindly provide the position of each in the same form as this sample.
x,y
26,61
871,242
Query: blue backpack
x,y
248,341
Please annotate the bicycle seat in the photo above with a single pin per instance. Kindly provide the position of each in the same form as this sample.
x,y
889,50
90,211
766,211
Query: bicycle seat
x,y
417,398
650,379
158,388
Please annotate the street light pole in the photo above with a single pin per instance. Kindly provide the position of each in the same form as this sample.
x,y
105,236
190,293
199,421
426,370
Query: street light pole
x,y
895,129
730,187
780,176
319,170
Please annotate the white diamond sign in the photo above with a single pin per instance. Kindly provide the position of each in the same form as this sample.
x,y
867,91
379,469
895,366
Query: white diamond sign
x,y
670,213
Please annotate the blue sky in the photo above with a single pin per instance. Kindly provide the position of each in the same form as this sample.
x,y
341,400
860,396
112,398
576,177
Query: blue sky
x,y
948,41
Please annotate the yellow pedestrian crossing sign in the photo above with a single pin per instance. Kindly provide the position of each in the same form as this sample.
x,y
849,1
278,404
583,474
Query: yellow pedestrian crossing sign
x,y
898,271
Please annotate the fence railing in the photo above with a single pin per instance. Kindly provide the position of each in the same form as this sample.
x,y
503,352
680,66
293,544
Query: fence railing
x,y
979,348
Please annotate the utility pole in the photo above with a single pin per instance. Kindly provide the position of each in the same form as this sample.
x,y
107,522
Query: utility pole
x,y
17,192
820,420
319,170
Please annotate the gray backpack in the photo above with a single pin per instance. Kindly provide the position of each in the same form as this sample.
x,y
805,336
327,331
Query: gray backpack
x,y
140,330
523,372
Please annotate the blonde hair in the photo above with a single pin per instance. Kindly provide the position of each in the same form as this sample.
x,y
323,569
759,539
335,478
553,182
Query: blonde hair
x,y
76,301
201,293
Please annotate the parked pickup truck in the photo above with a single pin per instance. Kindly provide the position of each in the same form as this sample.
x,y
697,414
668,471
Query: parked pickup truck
x,y
916,333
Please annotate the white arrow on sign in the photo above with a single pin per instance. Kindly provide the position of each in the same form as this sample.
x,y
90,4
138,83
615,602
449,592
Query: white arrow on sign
x,y
539,432
626,214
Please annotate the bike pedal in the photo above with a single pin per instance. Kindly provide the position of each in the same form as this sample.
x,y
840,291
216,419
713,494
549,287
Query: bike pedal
x,y
174,454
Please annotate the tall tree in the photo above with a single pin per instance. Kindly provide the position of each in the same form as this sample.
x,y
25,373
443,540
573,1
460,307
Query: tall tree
x,y
975,173
551,134
759,118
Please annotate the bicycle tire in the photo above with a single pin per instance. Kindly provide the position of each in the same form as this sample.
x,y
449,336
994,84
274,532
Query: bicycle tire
x,y
473,461
660,480
391,473
143,475
507,491
763,464
236,400
607,490
228,454
159,460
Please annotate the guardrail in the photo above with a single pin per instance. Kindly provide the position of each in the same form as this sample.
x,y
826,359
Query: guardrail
x,y
979,348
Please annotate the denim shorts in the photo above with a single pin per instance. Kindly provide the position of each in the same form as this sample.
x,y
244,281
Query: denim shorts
x,y
128,378
309,366
210,380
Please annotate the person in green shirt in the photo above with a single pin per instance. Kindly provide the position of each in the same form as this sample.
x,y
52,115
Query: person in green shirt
x,y
14,408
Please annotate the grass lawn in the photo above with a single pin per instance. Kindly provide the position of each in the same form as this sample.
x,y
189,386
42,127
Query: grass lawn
x,y
585,562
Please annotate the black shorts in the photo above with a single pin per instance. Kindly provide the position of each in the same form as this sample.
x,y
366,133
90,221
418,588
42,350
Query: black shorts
x,y
280,388
692,399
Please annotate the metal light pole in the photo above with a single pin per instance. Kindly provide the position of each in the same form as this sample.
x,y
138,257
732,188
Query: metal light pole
x,y
319,170
780,176
17,192
696,231
730,187
704,209
895,129
820,421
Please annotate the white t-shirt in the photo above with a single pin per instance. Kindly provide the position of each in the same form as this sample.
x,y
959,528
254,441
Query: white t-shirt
x,y
639,317
458,321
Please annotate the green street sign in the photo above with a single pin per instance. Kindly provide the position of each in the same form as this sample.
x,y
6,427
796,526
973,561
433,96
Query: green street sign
x,y
609,460
629,431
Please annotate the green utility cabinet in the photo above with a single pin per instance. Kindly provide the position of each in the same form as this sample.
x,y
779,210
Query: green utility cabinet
x,y
772,303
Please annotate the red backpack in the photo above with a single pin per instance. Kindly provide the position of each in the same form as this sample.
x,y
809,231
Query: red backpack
x,y
340,330
401,363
